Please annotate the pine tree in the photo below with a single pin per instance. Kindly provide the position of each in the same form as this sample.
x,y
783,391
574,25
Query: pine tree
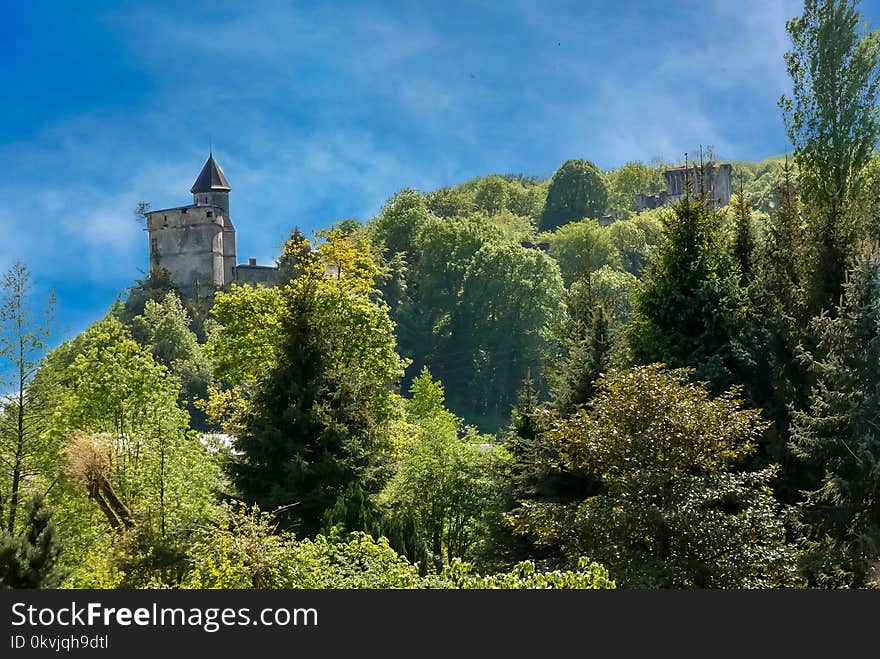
x,y
778,381
838,435
30,559
309,434
687,309
589,356
744,236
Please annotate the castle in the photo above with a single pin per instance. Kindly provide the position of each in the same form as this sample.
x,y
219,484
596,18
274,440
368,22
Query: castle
x,y
196,243
715,180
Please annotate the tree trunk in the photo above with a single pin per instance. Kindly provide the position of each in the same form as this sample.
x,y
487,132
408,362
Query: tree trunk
x,y
19,456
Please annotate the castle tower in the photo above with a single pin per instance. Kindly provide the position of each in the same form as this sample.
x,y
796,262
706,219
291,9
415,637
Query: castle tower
x,y
211,186
196,243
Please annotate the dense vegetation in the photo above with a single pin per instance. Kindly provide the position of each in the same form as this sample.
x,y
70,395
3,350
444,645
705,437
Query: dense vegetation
x,y
489,388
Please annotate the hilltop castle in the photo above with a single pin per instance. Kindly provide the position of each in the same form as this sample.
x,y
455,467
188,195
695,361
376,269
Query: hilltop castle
x,y
196,243
715,181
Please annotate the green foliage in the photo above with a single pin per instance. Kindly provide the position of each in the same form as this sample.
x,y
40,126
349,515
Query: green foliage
x,y
119,416
592,336
577,190
446,248
27,452
242,344
442,480
838,437
763,183
532,473
518,196
632,179
426,396
672,509
155,286
524,575
581,248
30,559
510,299
164,327
633,238
399,223
834,125
743,237
311,428
243,551
353,561
588,356
687,306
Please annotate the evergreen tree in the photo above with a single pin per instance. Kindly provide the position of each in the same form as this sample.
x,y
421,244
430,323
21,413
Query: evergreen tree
x,y
309,432
687,308
533,474
838,434
778,382
588,345
30,559
743,236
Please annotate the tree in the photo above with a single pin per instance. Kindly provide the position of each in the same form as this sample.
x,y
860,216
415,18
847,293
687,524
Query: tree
x,y
687,307
25,448
444,249
591,336
577,190
164,327
632,179
837,436
155,286
310,430
510,299
778,381
118,413
833,122
588,357
399,222
443,478
242,344
581,248
246,551
491,195
672,509
743,236
30,558
532,473
633,238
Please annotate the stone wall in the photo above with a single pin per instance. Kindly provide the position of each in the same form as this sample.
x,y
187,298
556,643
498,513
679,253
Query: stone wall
x,y
253,274
193,243
715,180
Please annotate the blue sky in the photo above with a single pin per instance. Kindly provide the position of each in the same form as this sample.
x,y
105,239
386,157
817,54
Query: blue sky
x,y
321,111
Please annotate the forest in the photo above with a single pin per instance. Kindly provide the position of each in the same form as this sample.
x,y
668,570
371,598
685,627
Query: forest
x,y
492,385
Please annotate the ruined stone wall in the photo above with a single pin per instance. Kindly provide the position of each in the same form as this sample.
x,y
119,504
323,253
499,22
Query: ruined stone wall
x,y
716,182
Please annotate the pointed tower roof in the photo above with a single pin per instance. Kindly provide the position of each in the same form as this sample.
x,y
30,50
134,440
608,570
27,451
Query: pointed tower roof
x,y
211,178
